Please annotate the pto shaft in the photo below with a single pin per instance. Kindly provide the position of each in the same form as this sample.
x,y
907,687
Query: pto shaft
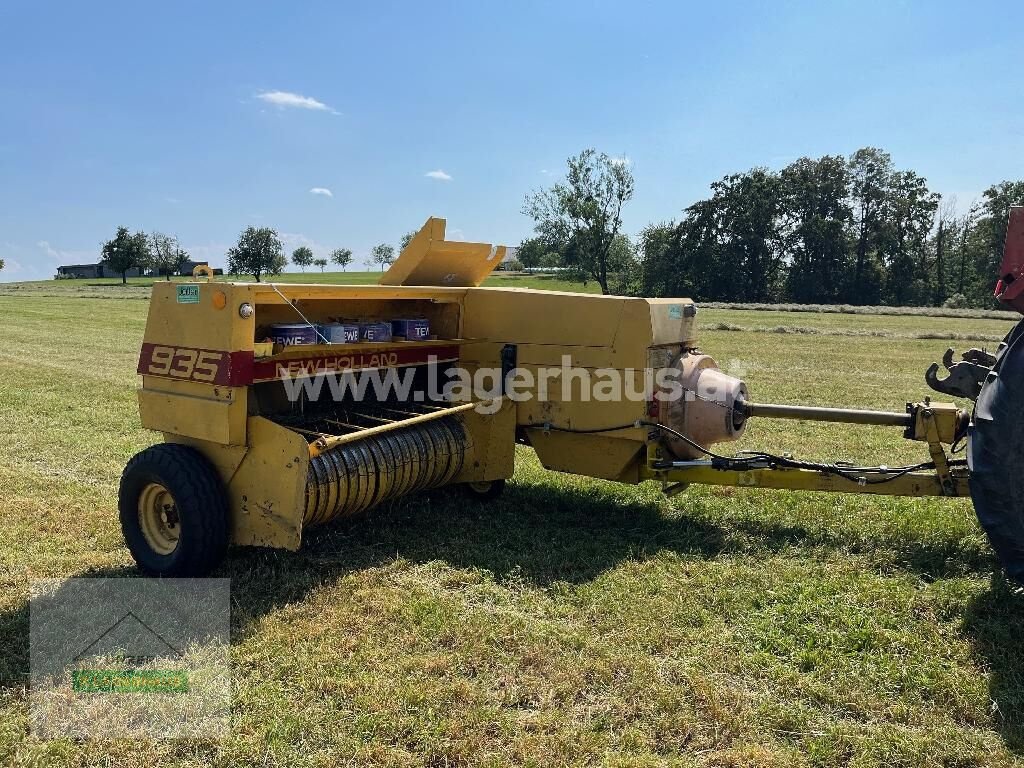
x,y
840,415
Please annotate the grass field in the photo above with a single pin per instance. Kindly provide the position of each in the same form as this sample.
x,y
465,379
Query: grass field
x,y
572,621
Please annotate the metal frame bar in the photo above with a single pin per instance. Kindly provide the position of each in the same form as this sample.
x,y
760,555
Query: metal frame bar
x,y
911,484
327,443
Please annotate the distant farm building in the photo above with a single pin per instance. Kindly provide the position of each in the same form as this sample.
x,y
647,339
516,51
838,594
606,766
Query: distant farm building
x,y
92,270
102,270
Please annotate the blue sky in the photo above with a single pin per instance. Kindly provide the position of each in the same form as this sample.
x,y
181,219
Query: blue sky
x,y
187,117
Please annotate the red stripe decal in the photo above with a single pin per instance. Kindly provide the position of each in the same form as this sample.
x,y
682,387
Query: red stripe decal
x,y
332,362
207,366
239,369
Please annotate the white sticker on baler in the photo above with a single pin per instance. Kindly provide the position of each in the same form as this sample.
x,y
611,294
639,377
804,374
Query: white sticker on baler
x,y
188,294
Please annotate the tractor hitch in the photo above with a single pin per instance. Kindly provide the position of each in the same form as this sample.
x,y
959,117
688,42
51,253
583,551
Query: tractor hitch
x,y
965,377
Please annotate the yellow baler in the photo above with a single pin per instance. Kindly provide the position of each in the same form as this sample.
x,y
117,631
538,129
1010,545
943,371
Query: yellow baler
x,y
252,456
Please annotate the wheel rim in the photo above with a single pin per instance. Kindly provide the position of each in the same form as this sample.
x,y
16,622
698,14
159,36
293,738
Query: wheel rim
x,y
158,519
482,487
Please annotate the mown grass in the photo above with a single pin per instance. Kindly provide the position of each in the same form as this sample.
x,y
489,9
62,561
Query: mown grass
x,y
854,309
572,621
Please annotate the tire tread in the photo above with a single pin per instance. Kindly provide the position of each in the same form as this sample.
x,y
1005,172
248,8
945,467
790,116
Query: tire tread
x,y
196,486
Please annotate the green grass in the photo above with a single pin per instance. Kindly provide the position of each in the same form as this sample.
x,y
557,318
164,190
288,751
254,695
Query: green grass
x,y
573,621
907,326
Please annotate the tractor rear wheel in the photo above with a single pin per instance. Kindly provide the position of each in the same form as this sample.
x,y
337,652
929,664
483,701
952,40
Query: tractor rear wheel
x,y
995,454
174,512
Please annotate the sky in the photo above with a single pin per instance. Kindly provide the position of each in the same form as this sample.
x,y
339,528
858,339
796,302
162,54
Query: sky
x,y
346,125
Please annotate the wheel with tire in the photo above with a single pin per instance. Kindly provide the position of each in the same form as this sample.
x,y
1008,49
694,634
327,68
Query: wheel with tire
x,y
484,491
995,454
174,512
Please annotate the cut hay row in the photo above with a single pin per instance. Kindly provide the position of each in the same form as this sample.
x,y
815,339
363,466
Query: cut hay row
x,y
850,309
805,330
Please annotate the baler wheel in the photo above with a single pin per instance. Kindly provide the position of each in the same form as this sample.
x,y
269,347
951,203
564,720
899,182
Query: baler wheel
x,y
484,491
995,454
174,512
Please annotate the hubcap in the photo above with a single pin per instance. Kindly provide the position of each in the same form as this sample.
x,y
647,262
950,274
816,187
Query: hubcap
x,y
482,487
158,519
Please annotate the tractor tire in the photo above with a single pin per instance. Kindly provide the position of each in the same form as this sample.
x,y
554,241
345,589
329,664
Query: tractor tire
x,y
995,454
174,512
485,491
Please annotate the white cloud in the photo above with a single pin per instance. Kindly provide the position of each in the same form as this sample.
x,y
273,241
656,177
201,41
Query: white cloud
x,y
36,266
48,249
292,240
295,100
12,267
39,261
438,174
67,256
624,160
321,191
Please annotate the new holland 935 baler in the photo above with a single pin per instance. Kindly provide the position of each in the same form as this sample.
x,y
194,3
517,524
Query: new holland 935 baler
x,y
251,458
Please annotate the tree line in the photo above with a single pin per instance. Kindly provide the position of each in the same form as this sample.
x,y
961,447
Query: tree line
x,y
825,230
833,229
258,252
127,251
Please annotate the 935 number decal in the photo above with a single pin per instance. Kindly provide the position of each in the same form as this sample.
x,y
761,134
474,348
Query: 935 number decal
x,y
182,363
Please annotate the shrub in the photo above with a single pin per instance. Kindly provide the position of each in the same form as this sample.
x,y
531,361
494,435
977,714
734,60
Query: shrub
x,y
956,301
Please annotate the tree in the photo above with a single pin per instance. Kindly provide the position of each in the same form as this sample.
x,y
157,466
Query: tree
x,y
550,260
530,251
534,252
815,213
258,251
2,265
623,266
126,251
320,263
688,259
747,207
908,214
581,217
342,257
382,254
967,227
870,170
302,257
946,218
406,238
165,254
655,244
